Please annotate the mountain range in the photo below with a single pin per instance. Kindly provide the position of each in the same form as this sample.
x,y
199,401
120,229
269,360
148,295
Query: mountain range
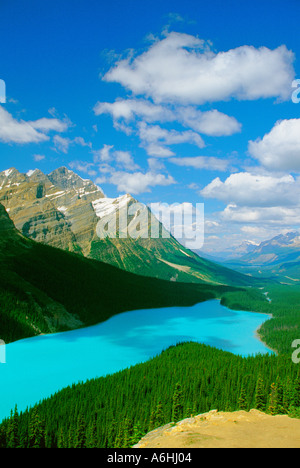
x,y
278,257
63,210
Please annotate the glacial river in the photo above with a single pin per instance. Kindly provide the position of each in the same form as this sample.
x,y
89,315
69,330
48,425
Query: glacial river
x,y
37,367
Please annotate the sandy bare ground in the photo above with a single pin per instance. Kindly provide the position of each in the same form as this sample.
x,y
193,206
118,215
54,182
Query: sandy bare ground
x,y
239,429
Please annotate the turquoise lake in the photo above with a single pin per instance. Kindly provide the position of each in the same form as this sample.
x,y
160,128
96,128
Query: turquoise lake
x,y
37,367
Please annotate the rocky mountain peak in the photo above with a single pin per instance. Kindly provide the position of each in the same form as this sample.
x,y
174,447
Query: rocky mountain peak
x,y
11,177
64,178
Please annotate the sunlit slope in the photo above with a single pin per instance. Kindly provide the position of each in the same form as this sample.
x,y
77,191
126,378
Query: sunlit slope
x,y
63,210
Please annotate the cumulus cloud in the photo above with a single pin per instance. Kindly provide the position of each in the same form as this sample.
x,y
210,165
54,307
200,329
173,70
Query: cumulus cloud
x,y
138,182
129,109
202,162
14,131
212,123
182,68
260,204
62,144
276,216
83,166
125,160
22,132
155,139
279,149
253,190
108,155
47,125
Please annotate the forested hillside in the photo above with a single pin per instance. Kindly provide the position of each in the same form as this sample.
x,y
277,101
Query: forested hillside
x,y
115,411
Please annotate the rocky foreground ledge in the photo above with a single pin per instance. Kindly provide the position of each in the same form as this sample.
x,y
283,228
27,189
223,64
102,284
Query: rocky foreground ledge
x,y
239,429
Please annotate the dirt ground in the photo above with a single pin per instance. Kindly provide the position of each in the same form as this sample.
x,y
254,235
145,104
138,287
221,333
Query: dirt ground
x,y
239,429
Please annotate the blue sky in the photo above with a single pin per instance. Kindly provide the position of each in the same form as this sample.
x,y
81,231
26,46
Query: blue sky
x,y
173,102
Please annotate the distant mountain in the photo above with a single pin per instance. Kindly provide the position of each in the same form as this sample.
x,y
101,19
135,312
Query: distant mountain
x,y
230,253
278,257
244,248
282,248
63,210
44,289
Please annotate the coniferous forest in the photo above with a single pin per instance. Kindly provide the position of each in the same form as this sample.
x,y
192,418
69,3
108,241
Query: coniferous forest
x,y
188,379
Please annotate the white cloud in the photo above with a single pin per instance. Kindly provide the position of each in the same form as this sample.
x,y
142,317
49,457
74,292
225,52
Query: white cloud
x,y
182,68
255,190
202,162
83,166
139,182
276,216
39,157
125,160
279,149
212,123
155,139
107,155
22,132
63,143
47,125
14,131
128,109
155,165
103,155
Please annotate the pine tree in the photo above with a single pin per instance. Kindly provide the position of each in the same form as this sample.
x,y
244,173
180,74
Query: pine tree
x,y
12,433
177,407
242,401
80,436
273,403
111,434
288,395
61,441
137,435
36,430
279,395
127,432
152,420
159,415
260,397
91,435
296,393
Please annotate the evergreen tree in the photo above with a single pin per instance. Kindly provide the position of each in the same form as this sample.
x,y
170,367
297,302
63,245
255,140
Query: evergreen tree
x,y
273,403
111,434
91,435
279,396
177,407
159,415
127,432
287,395
61,441
80,436
296,393
242,401
36,430
260,396
13,430
137,435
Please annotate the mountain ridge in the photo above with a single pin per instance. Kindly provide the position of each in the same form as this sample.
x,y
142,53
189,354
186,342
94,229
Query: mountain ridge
x,y
63,210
